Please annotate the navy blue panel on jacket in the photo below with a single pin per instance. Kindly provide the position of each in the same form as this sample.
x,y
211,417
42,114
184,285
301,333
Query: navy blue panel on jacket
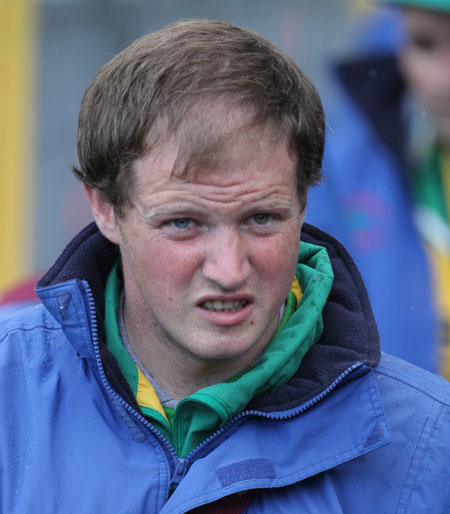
x,y
350,433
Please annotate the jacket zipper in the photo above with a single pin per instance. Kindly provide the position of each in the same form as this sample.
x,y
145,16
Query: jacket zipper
x,y
180,466
200,449
174,460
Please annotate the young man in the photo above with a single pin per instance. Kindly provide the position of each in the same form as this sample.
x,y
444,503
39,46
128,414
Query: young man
x,y
191,353
386,191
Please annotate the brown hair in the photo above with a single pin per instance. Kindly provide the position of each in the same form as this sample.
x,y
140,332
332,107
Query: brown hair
x,y
166,86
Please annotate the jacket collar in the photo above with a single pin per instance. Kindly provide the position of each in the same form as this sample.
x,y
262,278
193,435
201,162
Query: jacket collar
x,y
89,256
86,261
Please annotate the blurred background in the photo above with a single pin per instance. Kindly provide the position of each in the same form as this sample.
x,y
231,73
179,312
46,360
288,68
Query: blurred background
x,y
49,52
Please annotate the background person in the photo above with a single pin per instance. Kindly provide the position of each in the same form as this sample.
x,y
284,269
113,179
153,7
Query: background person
x,y
386,191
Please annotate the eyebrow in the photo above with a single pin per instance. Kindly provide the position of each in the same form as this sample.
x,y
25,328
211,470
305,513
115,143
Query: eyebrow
x,y
155,215
171,208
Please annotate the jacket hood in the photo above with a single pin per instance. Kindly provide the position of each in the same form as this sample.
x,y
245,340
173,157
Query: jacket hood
x,y
350,334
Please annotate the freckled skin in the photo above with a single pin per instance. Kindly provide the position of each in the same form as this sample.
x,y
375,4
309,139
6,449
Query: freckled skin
x,y
230,234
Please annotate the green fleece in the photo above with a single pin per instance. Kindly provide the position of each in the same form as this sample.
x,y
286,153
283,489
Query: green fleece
x,y
428,184
202,413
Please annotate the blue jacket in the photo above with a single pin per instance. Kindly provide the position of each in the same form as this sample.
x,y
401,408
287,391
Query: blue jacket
x,y
347,434
365,202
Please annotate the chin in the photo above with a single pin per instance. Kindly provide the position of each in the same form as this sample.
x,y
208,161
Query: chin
x,y
224,352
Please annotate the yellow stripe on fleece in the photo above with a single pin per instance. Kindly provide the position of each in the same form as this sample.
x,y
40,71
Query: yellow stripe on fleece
x,y
441,268
297,290
441,272
445,174
146,395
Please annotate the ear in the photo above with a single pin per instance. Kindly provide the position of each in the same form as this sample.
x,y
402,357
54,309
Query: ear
x,y
303,212
303,203
103,213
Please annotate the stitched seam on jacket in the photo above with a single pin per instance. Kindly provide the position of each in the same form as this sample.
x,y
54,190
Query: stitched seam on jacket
x,y
7,333
427,391
418,458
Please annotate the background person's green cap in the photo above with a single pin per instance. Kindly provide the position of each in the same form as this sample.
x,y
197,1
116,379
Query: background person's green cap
x,y
434,5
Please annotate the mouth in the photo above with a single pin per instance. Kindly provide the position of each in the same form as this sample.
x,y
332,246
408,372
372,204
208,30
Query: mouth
x,y
224,305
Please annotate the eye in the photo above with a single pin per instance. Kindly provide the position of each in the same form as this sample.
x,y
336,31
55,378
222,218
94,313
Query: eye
x,y
261,218
423,42
181,223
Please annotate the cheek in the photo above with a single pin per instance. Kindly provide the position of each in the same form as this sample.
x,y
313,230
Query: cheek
x,y
419,72
172,266
278,261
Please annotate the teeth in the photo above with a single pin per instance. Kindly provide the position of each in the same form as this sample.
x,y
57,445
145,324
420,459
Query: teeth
x,y
227,306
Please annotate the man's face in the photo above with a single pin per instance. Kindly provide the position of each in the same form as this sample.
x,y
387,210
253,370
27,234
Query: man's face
x,y
208,261
426,64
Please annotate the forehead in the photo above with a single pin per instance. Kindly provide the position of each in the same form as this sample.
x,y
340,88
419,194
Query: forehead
x,y
267,178
247,158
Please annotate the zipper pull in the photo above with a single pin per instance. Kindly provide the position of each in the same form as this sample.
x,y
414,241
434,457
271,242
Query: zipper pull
x,y
181,468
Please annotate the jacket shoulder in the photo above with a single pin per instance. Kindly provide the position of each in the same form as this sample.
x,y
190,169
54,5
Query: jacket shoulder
x,y
25,320
419,382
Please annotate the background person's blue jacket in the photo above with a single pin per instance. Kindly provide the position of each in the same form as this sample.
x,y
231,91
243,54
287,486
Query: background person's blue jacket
x,y
365,202
346,434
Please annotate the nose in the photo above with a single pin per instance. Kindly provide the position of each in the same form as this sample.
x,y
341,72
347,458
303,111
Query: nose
x,y
226,261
